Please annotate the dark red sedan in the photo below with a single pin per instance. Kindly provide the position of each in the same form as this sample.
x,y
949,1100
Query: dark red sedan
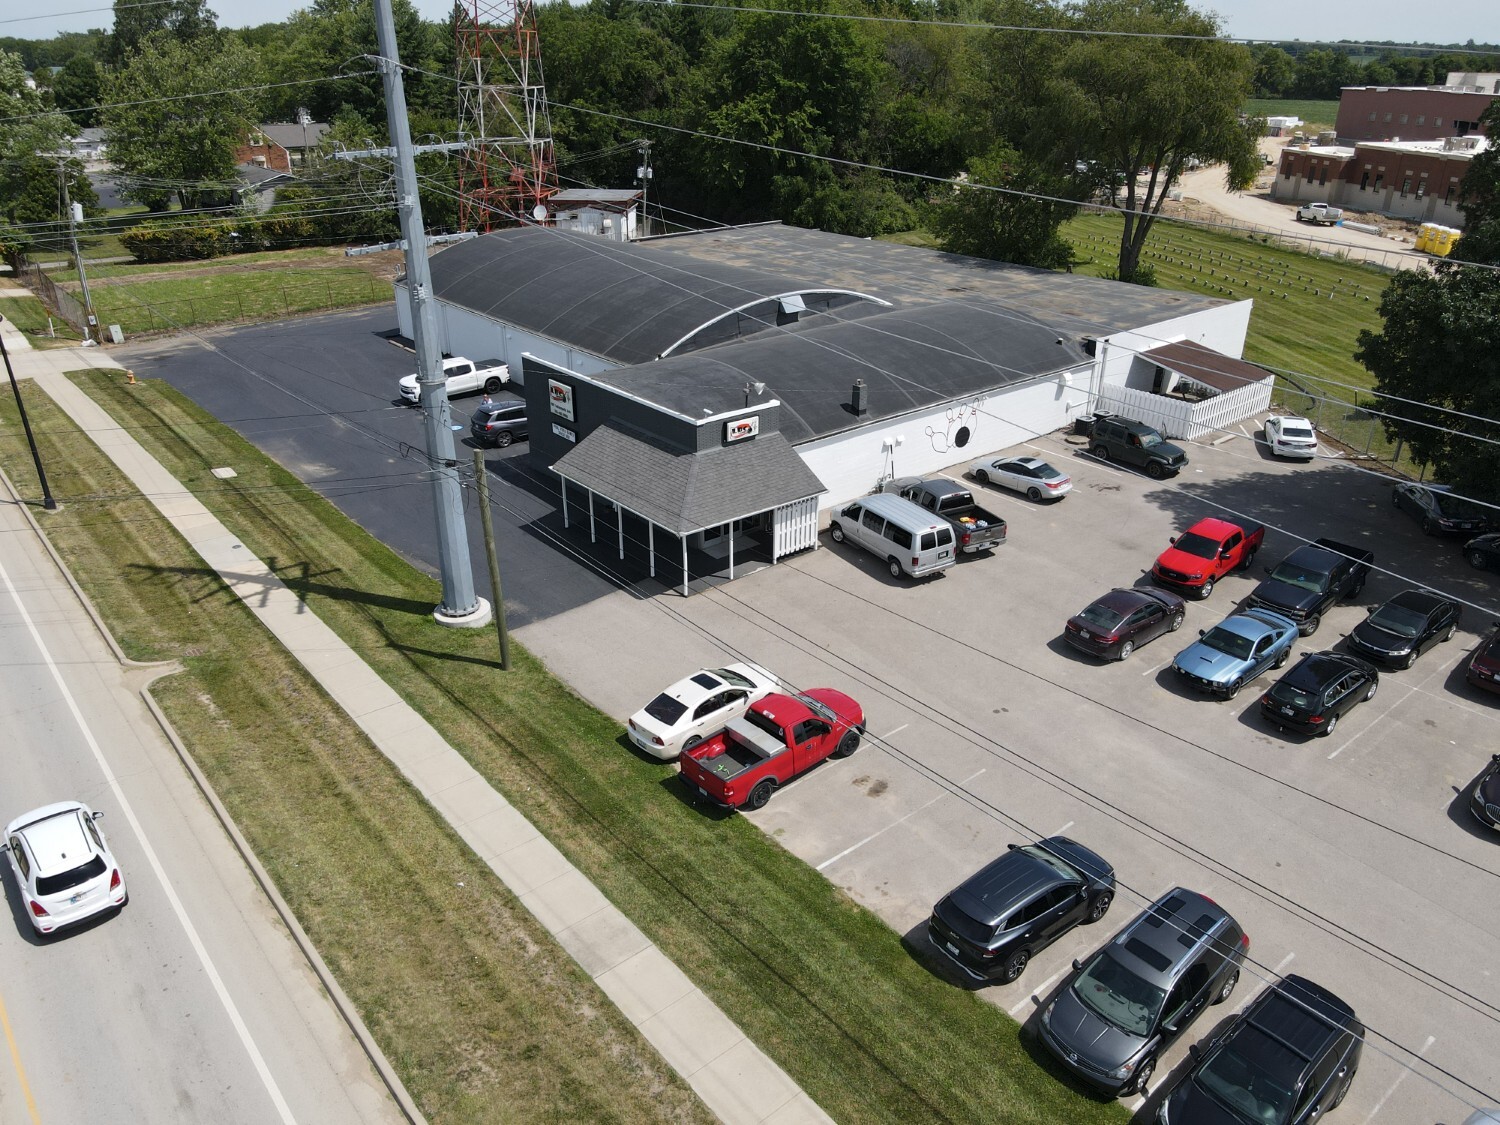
x,y
1484,665
1121,621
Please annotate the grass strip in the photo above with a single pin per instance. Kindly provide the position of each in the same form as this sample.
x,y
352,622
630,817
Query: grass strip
x,y
1314,112
817,981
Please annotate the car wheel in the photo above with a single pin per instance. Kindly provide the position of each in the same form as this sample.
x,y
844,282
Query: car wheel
x,y
760,795
1373,688
1033,494
1333,721
1100,450
1143,1075
895,565
1409,659
1281,660
1234,689
1227,987
1247,560
504,438
1154,470
691,742
1477,559
1176,622
491,385
1125,650
1100,906
848,744
981,476
1338,1099
1428,527
1015,965
1448,636
1395,499
836,533
1206,589
1310,626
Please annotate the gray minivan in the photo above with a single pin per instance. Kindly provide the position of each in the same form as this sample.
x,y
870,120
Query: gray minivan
x,y
911,541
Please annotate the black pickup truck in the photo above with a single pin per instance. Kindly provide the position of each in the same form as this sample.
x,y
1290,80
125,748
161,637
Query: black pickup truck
x,y
1311,580
974,529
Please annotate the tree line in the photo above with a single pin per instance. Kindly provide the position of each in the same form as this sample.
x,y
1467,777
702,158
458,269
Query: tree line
x,y
1299,70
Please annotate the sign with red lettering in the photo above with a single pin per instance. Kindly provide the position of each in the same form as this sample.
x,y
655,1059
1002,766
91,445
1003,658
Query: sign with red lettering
x,y
742,428
561,396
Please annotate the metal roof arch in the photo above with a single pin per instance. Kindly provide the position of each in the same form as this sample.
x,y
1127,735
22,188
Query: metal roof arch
x,y
767,299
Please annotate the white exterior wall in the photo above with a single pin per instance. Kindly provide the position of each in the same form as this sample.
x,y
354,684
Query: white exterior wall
x,y
852,464
591,220
466,333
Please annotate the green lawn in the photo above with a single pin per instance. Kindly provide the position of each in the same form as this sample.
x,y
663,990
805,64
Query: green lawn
x,y
30,316
482,1017
1313,113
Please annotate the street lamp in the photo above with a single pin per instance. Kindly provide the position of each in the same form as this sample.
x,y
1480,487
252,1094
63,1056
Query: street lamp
x,y
758,388
47,501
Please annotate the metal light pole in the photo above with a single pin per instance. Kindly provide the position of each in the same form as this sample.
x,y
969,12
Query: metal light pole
x,y
36,458
461,606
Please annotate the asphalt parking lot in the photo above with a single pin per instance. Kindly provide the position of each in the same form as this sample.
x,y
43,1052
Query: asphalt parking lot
x,y
1352,860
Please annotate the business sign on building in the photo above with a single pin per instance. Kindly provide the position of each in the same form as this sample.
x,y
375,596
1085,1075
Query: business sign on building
x,y
564,433
742,428
561,396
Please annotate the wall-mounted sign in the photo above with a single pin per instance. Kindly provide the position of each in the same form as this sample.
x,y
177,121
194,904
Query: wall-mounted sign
x,y
741,428
561,396
564,433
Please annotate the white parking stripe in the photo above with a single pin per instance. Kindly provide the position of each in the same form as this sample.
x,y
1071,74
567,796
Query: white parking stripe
x,y
1040,990
892,734
1155,668
1392,1089
1063,829
855,847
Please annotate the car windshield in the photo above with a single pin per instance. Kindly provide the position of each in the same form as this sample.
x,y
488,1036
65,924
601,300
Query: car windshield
x,y
1199,545
1456,507
1296,576
730,676
1066,870
665,709
1045,471
1399,620
1102,617
1118,995
1296,431
1244,1085
1150,438
67,880
1231,643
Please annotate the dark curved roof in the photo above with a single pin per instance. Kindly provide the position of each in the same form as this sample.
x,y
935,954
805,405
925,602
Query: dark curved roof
x,y
626,303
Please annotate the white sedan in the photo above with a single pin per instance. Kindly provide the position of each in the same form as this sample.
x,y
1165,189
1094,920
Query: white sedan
x,y
1290,436
1031,475
62,866
698,707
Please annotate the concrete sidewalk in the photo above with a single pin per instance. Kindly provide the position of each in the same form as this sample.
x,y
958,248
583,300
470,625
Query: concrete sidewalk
x,y
732,1076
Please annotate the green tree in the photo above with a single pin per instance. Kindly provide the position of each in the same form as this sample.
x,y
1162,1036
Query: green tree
x,y
1275,71
1009,224
177,113
1323,73
32,140
135,23
1479,197
76,90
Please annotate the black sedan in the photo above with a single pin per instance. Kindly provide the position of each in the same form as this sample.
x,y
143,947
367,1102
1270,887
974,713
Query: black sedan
x,y
1320,689
1405,627
1439,511
1483,552
1486,801
1121,621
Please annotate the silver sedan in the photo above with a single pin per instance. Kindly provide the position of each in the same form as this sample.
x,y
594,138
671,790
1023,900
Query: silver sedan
x,y
1031,475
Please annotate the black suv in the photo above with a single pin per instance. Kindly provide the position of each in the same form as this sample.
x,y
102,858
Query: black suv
x,y
992,922
498,421
1123,1006
1135,443
1290,1058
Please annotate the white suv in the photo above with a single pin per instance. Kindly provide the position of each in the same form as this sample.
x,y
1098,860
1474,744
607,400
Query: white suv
x,y
62,865
1291,436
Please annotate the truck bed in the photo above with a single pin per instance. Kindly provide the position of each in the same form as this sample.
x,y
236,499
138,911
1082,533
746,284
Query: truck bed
x,y
744,746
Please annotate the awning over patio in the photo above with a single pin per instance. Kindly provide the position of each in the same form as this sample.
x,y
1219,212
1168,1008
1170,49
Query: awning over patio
x,y
1206,366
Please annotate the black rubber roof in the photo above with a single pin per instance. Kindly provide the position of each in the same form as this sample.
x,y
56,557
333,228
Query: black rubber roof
x,y
626,303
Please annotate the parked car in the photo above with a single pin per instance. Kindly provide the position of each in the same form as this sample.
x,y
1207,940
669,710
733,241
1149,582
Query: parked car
x,y
1115,625
778,738
1405,627
1129,1001
912,542
1134,443
1318,690
1195,560
1236,651
1291,436
1031,475
1325,214
499,421
1484,665
1439,511
975,529
1289,1058
1485,804
992,923
462,376
1483,551
62,866
698,707
1312,580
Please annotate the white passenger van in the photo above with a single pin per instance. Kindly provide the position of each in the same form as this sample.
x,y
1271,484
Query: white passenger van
x,y
911,541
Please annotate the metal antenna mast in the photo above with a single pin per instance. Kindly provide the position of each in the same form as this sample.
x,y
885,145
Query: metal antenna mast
x,y
502,111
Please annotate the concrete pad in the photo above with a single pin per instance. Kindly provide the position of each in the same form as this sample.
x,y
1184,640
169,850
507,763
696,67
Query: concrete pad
x,y
743,1086
643,985
388,726
443,773
321,660
498,831
362,695
530,865
691,1033
410,747
462,801
566,900
603,940
801,1110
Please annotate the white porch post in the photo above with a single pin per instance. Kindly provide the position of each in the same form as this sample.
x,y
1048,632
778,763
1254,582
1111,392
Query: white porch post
x,y
591,516
684,567
651,545
620,528
731,550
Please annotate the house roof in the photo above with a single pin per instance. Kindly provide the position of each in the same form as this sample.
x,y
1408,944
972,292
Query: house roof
x,y
583,196
1204,365
684,491
258,177
290,135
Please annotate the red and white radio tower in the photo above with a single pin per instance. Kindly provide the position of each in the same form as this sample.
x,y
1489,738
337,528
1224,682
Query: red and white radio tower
x,y
502,111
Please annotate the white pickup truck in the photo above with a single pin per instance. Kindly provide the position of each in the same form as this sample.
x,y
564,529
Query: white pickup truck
x,y
464,377
1319,213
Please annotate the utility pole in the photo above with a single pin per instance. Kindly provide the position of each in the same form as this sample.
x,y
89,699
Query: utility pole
x,y
643,173
482,477
75,216
461,607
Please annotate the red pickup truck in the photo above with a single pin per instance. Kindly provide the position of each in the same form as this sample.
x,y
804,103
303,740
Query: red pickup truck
x,y
779,737
1205,552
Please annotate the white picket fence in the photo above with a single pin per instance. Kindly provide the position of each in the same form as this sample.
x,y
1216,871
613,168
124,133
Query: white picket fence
x,y
1179,418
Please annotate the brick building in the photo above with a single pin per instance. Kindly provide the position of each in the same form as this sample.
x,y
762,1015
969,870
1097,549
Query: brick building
x,y
1414,113
280,148
1416,180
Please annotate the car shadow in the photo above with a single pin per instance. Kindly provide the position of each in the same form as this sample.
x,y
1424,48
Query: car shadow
x,y
1064,649
23,924
918,945
641,755
877,569
1460,813
674,786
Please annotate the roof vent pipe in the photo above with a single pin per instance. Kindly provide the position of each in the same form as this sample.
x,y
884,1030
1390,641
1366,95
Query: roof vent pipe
x,y
859,398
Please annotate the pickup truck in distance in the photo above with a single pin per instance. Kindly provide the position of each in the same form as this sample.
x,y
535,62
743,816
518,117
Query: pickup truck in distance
x,y
1311,580
974,529
464,376
1323,213
779,737
1205,552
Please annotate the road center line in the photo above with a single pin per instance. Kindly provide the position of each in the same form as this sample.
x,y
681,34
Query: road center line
x,y
15,1057
1392,1088
283,1110
855,847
